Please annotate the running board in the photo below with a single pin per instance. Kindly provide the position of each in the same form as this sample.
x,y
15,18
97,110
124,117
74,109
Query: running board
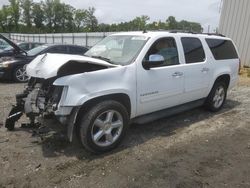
x,y
167,112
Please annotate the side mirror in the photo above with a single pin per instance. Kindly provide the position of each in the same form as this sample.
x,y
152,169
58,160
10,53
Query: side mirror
x,y
155,60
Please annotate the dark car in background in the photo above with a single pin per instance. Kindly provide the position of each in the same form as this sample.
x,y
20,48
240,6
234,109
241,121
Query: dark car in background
x,y
3,44
26,46
14,68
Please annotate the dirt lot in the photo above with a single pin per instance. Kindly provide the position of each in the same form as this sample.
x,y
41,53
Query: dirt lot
x,y
192,149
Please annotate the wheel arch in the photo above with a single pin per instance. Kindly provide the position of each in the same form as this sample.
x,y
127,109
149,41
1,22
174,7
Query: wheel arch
x,y
209,103
225,78
123,98
76,115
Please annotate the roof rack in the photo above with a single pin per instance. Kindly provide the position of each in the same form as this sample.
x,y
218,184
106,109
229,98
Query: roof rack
x,y
216,34
191,32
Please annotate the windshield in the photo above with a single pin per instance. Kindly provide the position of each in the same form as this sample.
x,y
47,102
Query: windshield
x,y
118,49
37,50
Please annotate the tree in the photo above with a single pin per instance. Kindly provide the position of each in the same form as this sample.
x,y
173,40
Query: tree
x,y
172,23
1,20
15,12
38,15
68,19
48,11
139,23
26,6
6,18
91,20
57,12
54,16
80,19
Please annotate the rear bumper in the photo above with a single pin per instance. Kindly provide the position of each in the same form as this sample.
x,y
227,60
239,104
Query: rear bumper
x,y
233,83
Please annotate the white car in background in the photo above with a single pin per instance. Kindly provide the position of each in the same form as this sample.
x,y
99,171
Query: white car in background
x,y
128,77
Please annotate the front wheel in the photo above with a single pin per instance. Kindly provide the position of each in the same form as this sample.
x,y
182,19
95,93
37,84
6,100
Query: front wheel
x,y
20,74
217,97
103,126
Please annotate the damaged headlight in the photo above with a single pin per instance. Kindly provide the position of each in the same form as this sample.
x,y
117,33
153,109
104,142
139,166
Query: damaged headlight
x,y
59,94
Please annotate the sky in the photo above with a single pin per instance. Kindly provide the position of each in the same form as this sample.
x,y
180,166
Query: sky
x,y
206,12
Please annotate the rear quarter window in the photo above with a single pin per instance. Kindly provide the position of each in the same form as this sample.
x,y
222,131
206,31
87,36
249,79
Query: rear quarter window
x,y
222,49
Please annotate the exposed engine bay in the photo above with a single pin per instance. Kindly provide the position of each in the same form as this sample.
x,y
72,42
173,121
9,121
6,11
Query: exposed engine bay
x,y
40,97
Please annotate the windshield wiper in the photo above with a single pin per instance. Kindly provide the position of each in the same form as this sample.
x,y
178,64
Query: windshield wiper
x,y
103,58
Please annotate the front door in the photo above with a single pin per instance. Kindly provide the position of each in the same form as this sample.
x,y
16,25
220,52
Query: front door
x,y
162,86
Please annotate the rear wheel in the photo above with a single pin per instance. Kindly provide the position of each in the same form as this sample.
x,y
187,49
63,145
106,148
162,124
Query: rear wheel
x,y
20,74
217,97
103,126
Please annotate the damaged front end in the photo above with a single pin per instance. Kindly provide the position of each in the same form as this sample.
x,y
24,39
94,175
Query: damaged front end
x,y
40,98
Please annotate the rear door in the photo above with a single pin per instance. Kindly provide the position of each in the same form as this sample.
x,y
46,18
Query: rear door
x,y
197,69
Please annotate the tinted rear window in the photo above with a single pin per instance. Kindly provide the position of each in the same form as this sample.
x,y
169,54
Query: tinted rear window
x,y
222,49
193,50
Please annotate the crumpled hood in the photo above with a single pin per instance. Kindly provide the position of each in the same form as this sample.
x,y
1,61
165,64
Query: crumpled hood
x,y
46,65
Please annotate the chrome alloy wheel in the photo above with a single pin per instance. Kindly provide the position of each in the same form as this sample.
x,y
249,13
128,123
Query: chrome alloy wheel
x,y
219,97
107,128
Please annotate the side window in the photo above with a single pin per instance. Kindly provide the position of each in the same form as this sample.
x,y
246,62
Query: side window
x,y
167,48
58,49
193,50
222,49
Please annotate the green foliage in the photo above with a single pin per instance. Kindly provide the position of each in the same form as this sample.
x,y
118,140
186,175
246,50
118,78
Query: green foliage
x,y
15,12
26,7
6,20
38,15
53,16
80,19
141,23
91,20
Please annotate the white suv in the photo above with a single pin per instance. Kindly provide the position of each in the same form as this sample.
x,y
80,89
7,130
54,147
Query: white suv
x,y
128,77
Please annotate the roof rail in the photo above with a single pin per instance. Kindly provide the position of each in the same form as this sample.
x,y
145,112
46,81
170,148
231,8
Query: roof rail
x,y
216,34
191,32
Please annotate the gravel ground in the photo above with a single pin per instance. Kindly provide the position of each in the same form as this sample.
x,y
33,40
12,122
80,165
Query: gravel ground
x,y
193,149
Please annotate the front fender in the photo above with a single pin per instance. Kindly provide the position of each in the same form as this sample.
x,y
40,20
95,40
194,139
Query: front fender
x,y
86,86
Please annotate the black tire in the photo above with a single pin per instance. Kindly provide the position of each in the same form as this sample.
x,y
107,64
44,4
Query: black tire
x,y
21,79
10,126
87,126
210,103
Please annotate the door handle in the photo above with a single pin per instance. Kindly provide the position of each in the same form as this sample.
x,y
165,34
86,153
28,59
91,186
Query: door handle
x,y
177,74
205,69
